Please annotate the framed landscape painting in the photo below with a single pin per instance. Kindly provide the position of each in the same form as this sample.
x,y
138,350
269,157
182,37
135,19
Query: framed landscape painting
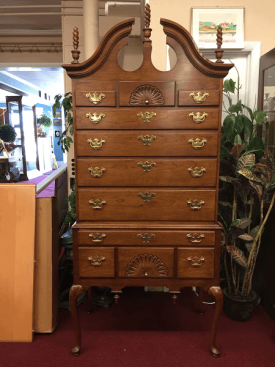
x,y
205,22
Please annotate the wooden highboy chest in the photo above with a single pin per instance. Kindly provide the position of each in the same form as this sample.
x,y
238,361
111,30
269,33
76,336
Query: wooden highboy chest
x,y
147,169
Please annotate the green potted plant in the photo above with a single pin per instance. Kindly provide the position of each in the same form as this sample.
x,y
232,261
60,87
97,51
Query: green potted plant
x,y
42,122
246,197
7,137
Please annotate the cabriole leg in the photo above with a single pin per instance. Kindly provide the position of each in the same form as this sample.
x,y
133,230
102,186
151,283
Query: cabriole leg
x,y
75,291
217,293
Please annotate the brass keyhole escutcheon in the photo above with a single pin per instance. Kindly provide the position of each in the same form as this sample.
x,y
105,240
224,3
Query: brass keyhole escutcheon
x,y
195,205
146,165
95,98
198,118
200,97
96,144
97,172
96,260
97,237
97,204
196,172
146,116
195,261
197,143
95,117
195,237
147,139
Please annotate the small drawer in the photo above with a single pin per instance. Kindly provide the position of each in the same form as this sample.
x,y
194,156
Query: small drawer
x,y
145,262
95,98
149,118
195,262
147,172
199,98
96,262
146,94
145,237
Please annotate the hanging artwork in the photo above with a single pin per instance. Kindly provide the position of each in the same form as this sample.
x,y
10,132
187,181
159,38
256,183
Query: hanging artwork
x,y
205,22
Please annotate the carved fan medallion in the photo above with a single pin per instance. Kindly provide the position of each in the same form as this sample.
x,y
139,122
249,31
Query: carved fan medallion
x,y
146,95
146,266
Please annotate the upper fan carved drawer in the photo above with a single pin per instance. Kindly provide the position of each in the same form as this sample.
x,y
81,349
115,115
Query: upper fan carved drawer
x,y
95,98
199,98
157,94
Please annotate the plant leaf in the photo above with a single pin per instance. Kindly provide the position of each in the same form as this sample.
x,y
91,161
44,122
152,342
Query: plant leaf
x,y
228,123
249,111
259,116
246,237
235,108
237,140
248,245
250,175
239,256
256,143
229,86
248,126
246,161
236,150
254,231
257,188
238,126
227,178
241,223
225,203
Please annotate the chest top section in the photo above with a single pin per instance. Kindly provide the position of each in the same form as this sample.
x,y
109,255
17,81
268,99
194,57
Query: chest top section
x,y
187,84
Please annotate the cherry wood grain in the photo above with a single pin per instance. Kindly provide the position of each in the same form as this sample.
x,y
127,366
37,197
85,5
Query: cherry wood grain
x,y
125,204
212,100
106,269
167,90
127,144
166,118
162,172
161,258
187,270
82,100
137,237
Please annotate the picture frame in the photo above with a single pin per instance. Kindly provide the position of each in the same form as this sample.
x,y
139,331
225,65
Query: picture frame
x,y
205,21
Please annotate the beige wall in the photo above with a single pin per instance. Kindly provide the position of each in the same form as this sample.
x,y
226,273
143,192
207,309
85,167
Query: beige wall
x,y
259,17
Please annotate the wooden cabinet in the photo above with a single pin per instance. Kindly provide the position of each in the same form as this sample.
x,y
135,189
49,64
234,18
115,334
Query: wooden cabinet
x,y
147,167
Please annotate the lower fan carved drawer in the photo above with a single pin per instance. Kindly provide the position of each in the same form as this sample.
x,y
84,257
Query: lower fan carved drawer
x,y
195,262
145,262
96,262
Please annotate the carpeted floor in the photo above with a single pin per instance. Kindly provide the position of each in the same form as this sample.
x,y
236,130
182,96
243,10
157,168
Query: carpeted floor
x,y
145,329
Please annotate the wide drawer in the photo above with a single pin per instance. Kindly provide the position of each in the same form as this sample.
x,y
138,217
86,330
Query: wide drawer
x,y
96,98
143,237
143,172
150,118
195,262
144,93
96,262
146,143
145,262
199,98
144,204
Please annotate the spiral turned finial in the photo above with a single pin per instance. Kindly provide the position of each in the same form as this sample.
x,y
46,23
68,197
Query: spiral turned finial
x,y
219,51
147,31
75,52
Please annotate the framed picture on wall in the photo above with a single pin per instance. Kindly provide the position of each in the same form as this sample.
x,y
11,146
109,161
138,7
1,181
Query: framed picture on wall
x,y
205,21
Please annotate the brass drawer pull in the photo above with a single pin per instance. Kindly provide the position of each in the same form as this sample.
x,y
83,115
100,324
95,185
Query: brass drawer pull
x,y
195,205
196,172
198,118
95,97
96,260
147,140
97,237
97,172
146,196
195,237
97,204
197,143
195,261
146,116
146,237
146,165
96,144
199,98
95,117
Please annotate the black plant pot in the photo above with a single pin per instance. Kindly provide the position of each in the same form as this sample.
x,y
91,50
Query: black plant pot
x,y
238,308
